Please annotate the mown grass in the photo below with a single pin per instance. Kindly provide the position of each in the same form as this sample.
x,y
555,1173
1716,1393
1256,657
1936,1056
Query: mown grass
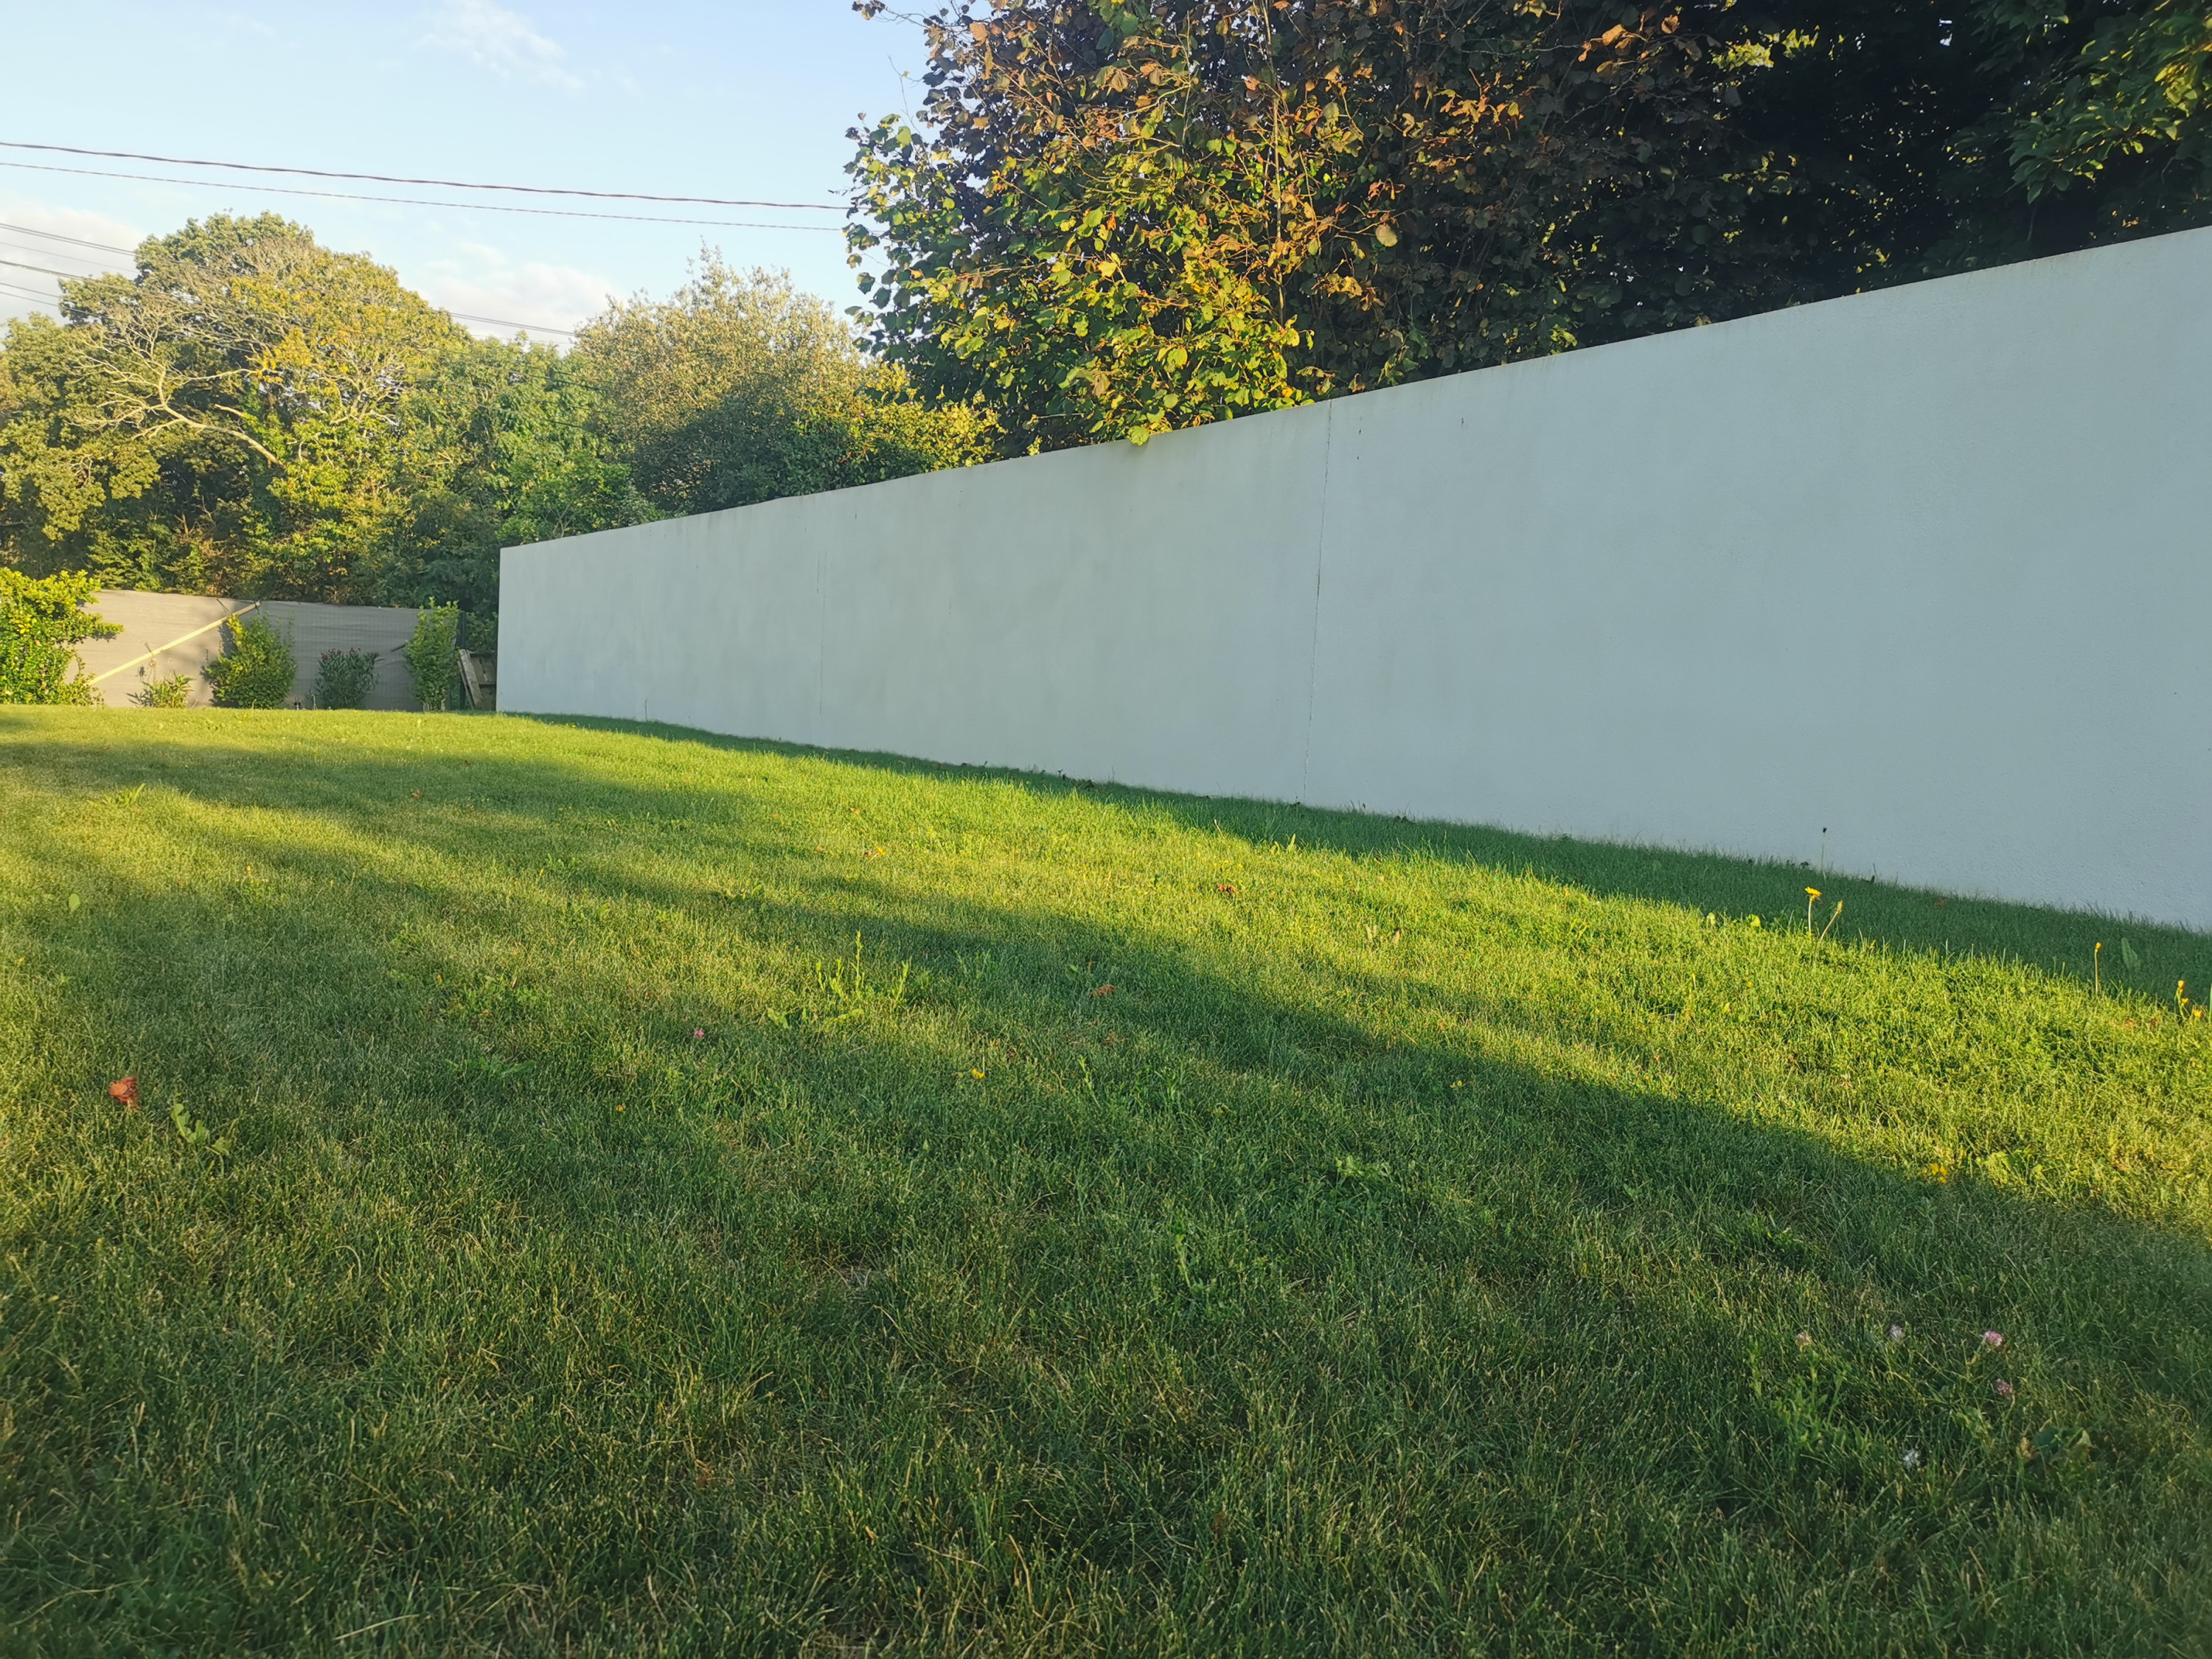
x,y
1433,1240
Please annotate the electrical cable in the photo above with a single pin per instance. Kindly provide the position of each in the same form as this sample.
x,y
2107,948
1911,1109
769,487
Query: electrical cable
x,y
457,316
411,201
442,184
56,236
110,247
506,322
28,294
10,245
8,251
48,270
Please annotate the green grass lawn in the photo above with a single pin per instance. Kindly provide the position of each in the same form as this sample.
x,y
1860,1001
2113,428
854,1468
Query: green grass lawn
x,y
603,1190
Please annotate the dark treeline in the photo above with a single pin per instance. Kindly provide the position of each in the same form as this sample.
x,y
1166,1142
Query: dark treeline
x,y
1115,219
1112,220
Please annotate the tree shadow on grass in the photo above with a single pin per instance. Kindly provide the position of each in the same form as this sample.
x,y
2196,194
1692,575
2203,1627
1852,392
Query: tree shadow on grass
x,y
1206,1316
2060,943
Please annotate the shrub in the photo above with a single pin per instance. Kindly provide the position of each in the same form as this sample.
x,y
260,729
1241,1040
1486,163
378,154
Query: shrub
x,y
430,659
41,621
164,694
342,678
258,670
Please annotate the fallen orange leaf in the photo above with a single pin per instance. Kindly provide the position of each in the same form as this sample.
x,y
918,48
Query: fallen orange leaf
x,y
127,1090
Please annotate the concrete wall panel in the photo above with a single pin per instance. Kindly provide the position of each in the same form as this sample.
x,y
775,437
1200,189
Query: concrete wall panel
x,y
1928,568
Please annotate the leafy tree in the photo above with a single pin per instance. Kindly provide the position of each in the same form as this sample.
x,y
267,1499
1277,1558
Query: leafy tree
x,y
225,419
507,449
740,390
1896,142
2113,97
1130,218
40,621
253,414
1119,218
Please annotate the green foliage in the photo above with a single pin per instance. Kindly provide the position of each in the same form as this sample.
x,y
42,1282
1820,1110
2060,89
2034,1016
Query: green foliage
x,y
256,669
1445,1242
252,414
342,678
1114,220
740,390
508,449
431,663
173,692
1202,207
2114,97
41,622
221,420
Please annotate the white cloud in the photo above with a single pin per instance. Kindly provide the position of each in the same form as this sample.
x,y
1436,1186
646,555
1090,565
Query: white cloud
x,y
36,240
480,281
484,32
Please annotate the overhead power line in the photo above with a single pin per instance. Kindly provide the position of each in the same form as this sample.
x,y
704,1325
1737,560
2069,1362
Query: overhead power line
x,y
457,316
409,201
56,236
11,244
8,251
442,184
48,270
506,322
29,293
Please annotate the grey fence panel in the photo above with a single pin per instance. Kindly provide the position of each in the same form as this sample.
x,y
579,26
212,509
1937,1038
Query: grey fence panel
x,y
186,631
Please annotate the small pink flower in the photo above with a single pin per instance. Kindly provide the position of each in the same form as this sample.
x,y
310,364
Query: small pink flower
x,y
697,1035
2004,1390
1993,1338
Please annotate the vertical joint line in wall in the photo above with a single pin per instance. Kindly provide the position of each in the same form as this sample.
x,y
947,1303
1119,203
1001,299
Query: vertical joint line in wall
x,y
1313,643
821,635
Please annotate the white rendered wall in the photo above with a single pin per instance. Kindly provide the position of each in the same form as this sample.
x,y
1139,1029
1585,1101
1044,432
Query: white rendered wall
x,y
1930,568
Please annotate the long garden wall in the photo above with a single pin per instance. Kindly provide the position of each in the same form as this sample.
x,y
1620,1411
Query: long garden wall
x,y
1929,568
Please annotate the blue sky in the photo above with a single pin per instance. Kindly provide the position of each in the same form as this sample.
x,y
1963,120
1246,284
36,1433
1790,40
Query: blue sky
x,y
743,98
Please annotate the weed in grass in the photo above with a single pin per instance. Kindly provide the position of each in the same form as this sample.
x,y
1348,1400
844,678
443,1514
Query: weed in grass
x,y
844,991
193,1132
170,693
637,1230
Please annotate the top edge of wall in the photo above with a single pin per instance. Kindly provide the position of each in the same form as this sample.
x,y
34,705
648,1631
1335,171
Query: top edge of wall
x,y
1904,296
